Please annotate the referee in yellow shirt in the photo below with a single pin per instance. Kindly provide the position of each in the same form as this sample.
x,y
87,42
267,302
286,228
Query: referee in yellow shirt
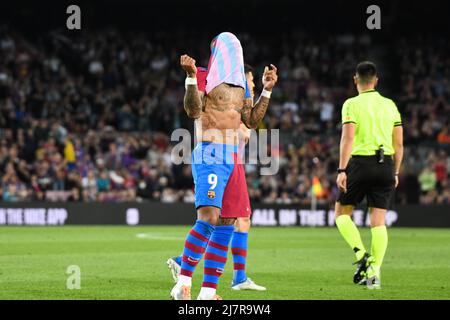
x,y
371,153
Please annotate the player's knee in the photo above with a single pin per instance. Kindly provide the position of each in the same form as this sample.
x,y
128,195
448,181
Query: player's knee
x,y
243,224
211,219
227,222
209,214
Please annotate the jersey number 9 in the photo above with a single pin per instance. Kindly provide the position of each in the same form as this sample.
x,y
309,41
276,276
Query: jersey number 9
x,y
212,180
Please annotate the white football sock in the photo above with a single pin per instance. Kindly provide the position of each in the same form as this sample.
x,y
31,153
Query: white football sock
x,y
184,281
207,293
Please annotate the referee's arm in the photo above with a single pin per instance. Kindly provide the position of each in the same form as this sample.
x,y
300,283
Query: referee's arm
x,y
345,151
397,141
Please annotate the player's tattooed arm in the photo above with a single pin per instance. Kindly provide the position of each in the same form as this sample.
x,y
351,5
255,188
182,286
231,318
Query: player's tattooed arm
x,y
193,102
192,97
252,115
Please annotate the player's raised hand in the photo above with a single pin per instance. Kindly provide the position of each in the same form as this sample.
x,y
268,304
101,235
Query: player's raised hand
x,y
188,65
270,77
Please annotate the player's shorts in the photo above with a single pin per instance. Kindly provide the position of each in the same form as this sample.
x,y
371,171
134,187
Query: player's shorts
x,y
219,179
368,178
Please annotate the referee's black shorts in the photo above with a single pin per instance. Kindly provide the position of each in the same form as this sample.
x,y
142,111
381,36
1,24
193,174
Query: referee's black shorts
x,y
367,177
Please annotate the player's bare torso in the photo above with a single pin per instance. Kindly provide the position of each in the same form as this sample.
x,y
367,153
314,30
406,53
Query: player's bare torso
x,y
221,115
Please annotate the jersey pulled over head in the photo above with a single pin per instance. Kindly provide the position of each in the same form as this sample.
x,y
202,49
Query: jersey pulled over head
x,y
226,64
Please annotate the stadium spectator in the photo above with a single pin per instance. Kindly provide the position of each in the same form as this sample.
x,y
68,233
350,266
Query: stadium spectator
x,y
444,136
428,181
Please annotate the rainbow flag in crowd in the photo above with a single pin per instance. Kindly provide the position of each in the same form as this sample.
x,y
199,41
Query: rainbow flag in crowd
x,y
317,187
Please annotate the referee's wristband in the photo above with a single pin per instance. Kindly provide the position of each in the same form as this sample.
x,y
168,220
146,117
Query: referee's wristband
x,y
341,170
190,81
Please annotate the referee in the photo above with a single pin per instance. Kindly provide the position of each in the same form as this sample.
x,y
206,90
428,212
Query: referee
x,y
371,153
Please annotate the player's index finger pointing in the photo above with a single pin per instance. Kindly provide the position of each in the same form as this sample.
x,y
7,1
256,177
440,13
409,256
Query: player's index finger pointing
x,y
274,68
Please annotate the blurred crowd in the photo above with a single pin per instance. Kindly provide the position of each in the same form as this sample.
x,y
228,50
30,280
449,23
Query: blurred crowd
x,y
89,118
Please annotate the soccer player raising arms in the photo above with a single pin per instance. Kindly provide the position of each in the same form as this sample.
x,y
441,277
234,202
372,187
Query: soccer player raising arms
x,y
218,110
239,241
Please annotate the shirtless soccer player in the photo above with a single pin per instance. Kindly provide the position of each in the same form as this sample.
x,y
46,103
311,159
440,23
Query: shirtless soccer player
x,y
239,242
217,177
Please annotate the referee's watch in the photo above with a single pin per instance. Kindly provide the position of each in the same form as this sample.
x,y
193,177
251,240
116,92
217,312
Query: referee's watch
x,y
341,170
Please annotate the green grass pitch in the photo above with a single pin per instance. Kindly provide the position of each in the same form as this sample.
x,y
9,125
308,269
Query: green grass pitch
x,y
293,263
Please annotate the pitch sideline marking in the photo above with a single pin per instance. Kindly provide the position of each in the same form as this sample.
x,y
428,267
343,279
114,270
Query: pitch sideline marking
x,y
157,236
